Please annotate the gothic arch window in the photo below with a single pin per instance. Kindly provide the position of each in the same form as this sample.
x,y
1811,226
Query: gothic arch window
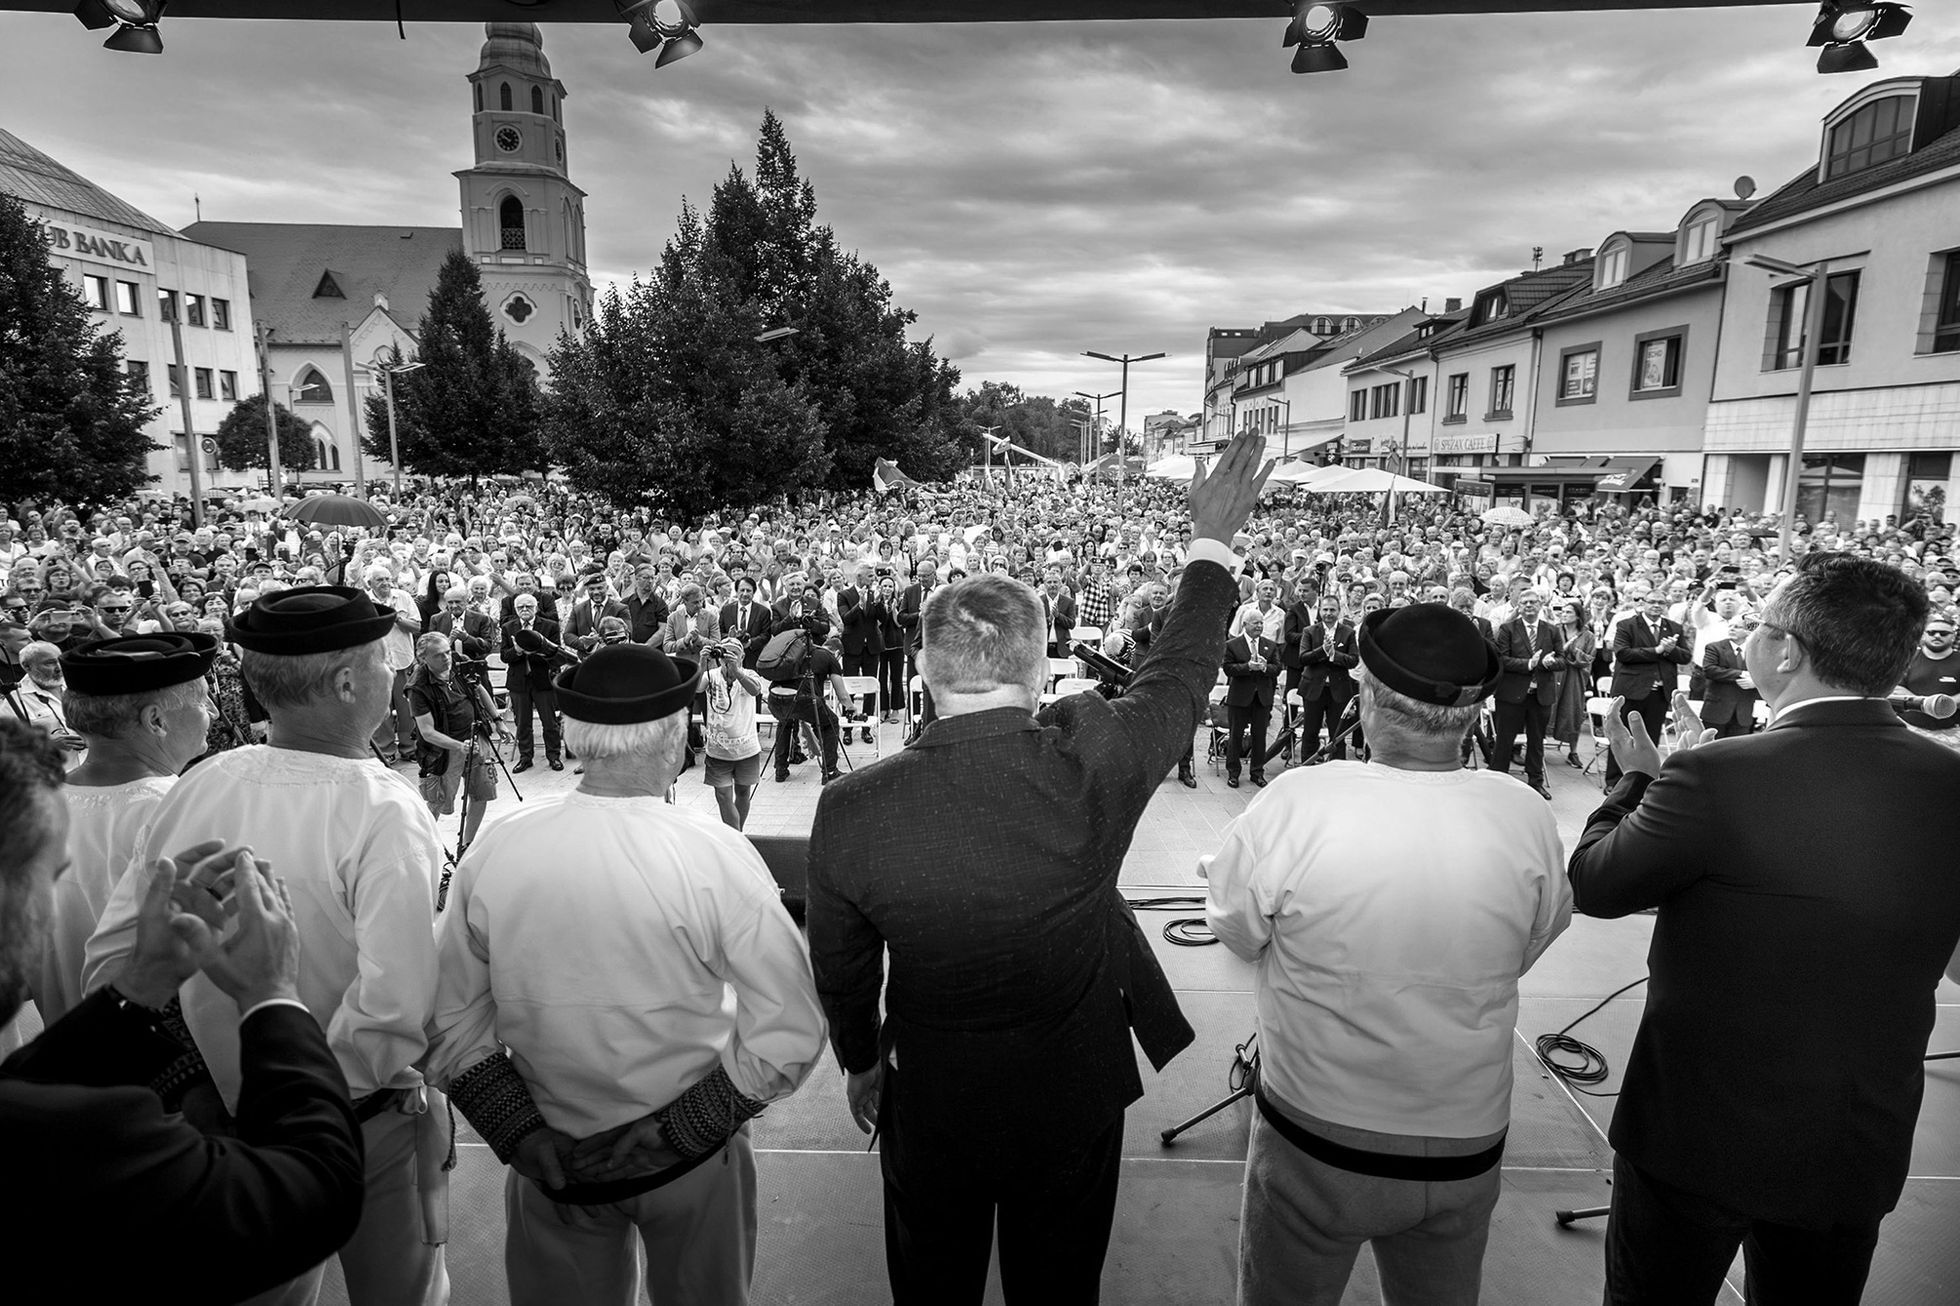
x,y
510,223
537,101
503,96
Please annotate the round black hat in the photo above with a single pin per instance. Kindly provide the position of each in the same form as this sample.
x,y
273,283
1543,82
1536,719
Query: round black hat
x,y
1431,653
311,619
623,684
138,664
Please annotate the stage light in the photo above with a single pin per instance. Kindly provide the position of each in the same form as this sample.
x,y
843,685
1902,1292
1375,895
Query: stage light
x,y
666,25
1843,26
135,22
1316,27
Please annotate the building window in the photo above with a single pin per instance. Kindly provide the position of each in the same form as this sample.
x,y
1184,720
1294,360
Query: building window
x,y
503,97
221,314
1831,486
194,310
1926,478
1698,242
537,101
1657,363
1876,132
228,386
1357,405
1502,381
166,305
510,222
1945,291
139,376
176,380
1612,267
1385,400
1578,374
1459,408
129,301
1418,394
201,379
312,388
96,291
1787,307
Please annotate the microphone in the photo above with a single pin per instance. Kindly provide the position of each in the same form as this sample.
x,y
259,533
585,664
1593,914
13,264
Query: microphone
x,y
1940,707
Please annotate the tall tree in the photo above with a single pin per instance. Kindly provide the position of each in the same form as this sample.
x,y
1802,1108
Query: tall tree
x,y
71,418
472,408
241,437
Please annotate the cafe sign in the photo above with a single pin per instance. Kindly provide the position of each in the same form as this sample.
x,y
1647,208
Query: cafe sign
x,y
67,240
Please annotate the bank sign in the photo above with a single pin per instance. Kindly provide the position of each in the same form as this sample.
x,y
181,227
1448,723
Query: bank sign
x,y
67,240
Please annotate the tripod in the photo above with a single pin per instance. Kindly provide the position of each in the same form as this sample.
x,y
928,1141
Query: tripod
x,y
1242,1078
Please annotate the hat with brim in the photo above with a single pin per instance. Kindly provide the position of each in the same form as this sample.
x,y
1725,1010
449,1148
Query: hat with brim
x,y
138,664
1429,652
625,684
311,619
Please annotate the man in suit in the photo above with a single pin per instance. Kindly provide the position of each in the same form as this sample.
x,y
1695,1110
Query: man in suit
x,y
1000,1072
531,655
1771,1095
861,641
1730,697
76,1109
1326,651
1251,679
1647,647
582,632
1058,613
1530,652
748,620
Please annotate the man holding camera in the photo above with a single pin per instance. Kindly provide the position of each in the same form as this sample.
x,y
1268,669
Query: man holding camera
x,y
450,715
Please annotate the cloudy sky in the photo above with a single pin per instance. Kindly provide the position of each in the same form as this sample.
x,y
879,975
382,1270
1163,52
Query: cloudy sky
x,y
1031,191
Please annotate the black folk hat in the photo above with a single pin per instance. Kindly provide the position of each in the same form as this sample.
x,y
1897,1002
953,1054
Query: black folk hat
x,y
311,619
138,664
1429,652
624,684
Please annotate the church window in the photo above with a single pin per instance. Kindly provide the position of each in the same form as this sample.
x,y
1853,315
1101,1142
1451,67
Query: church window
x,y
503,97
537,101
510,222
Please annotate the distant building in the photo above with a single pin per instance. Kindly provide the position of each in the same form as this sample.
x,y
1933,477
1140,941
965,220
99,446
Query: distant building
x,y
135,274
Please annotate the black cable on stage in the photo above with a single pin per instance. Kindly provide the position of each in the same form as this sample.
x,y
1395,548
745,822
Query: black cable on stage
x,y
1185,931
1591,1067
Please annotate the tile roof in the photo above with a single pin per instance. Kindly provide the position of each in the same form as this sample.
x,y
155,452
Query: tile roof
x,y
286,260
30,175
1804,192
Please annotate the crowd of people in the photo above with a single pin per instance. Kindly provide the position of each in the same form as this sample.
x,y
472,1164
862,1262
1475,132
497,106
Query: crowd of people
x,y
250,945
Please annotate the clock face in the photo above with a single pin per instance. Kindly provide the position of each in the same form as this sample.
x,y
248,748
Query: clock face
x,y
508,139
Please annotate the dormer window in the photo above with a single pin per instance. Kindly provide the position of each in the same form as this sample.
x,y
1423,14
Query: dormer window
x,y
1612,267
1872,134
1700,238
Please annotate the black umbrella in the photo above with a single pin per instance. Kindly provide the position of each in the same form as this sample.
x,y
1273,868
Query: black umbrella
x,y
337,510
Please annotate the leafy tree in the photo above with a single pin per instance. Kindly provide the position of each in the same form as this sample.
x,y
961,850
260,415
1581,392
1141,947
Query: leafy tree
x,y
472,409
71,419
241,437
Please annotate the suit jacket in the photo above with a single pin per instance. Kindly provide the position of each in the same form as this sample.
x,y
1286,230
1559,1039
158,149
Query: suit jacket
x,y
77,1116
1723,699
1060,612
754,634
1245,687
1324,666
1807,909
1518,646
679,641
530,670
582,633
479,634
986,857
1639,667
861,637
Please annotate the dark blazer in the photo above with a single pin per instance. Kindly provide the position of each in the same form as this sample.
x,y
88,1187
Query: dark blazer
x,y
1245,687
860,636
479,634
1517,647
1807,910
83,1132
1324,667
985,856
1724,700
1639,667
754,635
1060,612
526,670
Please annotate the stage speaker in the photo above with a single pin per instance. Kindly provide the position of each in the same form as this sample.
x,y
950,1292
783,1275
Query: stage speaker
x,y
788,859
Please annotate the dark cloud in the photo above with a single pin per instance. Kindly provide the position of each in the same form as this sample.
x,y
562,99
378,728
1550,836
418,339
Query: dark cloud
x,y
1031,191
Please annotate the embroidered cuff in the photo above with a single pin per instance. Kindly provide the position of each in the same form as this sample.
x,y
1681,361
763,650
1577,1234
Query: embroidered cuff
x,y
495,1100
702,1118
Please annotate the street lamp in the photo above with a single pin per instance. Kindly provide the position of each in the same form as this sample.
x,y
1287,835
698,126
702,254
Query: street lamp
x,y
1089,453
1816,291
388,361
1123,412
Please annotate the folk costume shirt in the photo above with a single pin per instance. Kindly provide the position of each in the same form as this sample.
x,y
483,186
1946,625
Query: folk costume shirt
x,y
1390,914
621,974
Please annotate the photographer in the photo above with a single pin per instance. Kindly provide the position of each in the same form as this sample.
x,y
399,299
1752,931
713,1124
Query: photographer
x,y
449,710
734,749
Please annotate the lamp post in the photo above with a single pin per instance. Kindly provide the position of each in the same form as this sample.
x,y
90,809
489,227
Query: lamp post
x,y
1096,439
1817,289
1123,413
388,361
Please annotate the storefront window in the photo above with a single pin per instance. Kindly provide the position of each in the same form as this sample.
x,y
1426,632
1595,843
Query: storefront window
x,y
1830,486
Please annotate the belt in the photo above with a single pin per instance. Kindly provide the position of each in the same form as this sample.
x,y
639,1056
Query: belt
x,y
1380,1165
384,1099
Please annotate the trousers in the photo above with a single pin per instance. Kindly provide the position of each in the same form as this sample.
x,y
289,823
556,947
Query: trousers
x,y
697,1235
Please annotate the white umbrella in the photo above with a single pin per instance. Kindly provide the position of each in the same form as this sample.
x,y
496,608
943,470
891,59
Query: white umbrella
x,y
1506,515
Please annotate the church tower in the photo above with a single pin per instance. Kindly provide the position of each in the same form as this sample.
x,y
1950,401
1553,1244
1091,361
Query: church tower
x,y
523,219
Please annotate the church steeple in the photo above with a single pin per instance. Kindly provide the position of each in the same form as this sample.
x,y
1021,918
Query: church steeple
x,y
523,219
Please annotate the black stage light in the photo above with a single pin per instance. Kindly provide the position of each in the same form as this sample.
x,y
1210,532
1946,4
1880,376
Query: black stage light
x,y
665,25
1315,28
1843,26
135,22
